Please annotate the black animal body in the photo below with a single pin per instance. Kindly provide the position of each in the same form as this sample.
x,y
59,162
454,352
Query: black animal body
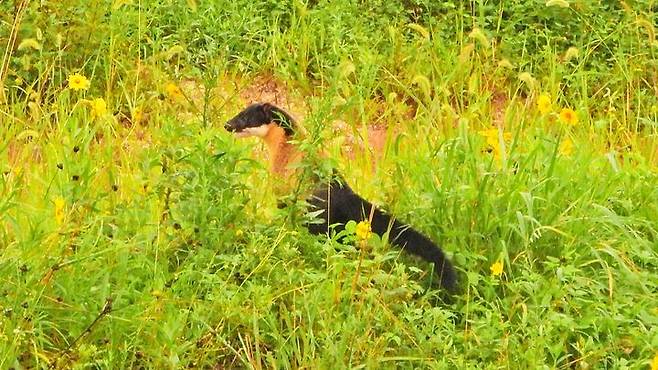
x,y
337,201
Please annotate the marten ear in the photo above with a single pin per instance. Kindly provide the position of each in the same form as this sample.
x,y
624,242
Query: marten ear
x,y
267,110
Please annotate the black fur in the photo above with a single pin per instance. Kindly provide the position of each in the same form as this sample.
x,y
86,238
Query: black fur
x,y
261,114
340,204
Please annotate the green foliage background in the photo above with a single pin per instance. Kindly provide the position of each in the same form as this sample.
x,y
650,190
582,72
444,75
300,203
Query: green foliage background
x,y
172,254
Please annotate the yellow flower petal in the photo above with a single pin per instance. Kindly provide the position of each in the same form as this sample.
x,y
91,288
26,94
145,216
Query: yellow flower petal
x,y
60,205
363,230
544,104
493,141
569,116
78,82
566,147
173,91
98,107
497,268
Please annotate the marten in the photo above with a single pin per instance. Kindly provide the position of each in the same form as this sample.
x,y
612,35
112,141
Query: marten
x,y
336,202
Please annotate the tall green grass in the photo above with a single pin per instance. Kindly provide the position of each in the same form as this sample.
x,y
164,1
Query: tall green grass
x,y
146,237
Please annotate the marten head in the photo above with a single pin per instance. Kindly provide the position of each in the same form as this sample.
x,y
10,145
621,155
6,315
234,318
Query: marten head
x,y
257,119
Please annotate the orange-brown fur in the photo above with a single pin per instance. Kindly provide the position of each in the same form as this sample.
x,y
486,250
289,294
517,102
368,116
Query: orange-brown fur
x,y
283,157
282,153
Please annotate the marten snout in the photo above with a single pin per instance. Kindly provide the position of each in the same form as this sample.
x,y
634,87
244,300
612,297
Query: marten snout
x,y
230,126
253,116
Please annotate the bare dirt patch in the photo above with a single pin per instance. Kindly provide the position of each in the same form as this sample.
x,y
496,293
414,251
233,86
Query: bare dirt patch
x,y
268,89
498,108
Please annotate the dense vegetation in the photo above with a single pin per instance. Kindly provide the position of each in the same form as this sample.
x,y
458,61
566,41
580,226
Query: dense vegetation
x,y
137,233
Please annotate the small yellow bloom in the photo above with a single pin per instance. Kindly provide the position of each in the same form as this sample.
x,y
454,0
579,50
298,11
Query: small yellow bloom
x,y
566,147
239,233
98,107
60,205
493,141
497,268
654,363
78,82
173,91
18,171
544,104
568,116
363,230
492,133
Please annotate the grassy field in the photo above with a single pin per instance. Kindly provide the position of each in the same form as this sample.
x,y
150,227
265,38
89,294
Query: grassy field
x,y
136,232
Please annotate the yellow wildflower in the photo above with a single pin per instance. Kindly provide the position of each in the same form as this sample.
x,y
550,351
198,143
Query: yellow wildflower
x,y
568,116
173,91
566,147
78,82
497,268
60,205
544,104
98,107
363,230
493,141
18,171
491,135
654,362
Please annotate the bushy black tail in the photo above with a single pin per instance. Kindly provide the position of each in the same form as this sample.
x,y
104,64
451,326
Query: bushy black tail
x,y
341,205
418,244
